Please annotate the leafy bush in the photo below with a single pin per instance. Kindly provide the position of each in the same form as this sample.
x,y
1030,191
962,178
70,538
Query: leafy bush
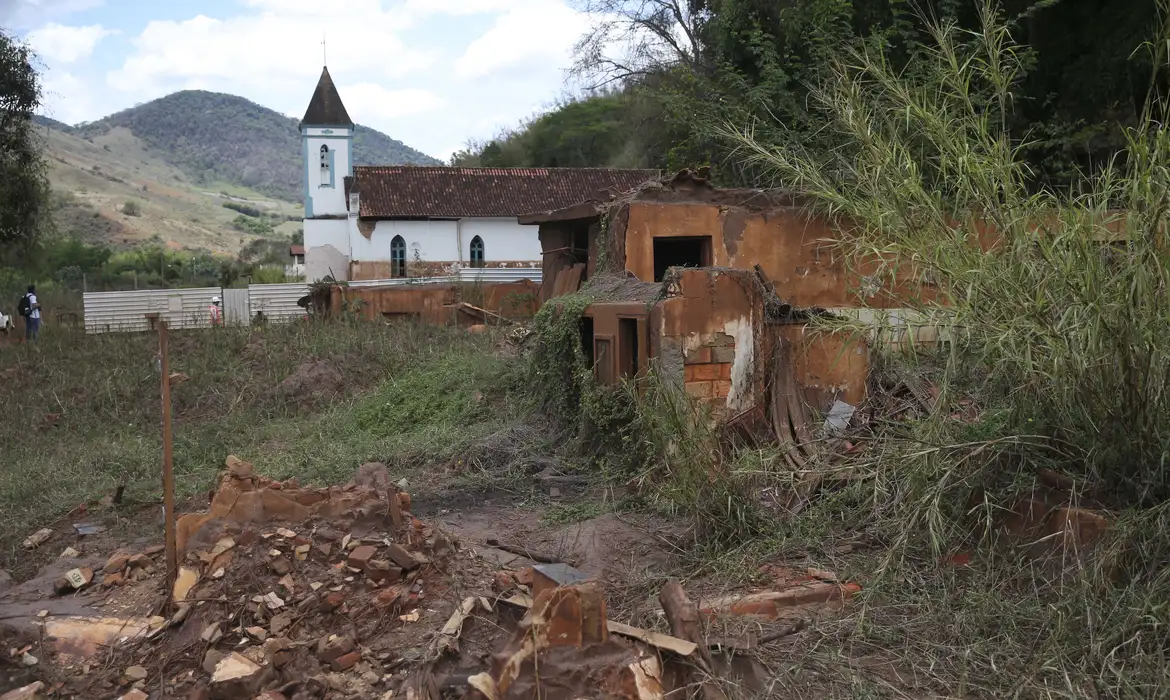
x,y
131,208
244,209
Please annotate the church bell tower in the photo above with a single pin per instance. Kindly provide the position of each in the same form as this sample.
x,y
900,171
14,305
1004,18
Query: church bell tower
x,y
327,151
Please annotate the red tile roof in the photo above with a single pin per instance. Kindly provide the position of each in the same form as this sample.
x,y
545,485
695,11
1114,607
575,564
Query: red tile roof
x,y
410,192
296,250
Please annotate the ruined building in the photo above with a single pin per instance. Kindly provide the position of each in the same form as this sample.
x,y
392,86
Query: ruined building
x,y
718,286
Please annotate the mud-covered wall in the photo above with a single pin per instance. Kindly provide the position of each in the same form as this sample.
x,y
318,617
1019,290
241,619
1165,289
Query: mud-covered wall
x,y
791,246
827,366
717,318
431,303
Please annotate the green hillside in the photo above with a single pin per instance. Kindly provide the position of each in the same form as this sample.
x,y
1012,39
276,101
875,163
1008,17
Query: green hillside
x,y
213,137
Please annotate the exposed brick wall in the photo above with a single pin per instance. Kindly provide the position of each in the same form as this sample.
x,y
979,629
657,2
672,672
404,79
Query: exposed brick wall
x,y
707,369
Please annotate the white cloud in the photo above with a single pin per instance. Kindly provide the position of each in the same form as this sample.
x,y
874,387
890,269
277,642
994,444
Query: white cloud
x,y
258,51
61,44
376,103
530,31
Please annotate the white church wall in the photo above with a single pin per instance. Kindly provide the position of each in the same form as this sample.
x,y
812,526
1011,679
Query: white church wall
x,y
326,249
504,240
435,241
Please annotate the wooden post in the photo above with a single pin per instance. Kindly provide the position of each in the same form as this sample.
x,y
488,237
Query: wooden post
x,y
168,454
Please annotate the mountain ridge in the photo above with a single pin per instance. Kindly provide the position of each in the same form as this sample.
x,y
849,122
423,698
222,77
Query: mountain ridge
x,y
217,137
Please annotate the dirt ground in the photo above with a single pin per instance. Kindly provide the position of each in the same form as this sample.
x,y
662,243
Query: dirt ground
x,y
284,590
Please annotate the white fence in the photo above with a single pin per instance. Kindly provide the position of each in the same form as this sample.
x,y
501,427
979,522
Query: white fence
x,y
107,312
465,275
113,312
278,302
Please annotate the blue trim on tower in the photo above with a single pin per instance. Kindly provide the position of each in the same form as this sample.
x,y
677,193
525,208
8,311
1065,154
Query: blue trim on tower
x,y
305,176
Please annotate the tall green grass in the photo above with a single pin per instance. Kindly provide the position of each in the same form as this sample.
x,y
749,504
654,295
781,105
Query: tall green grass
x,y
1059,331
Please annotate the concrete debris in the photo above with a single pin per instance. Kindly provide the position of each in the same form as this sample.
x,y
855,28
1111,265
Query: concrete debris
x,y
211,634
37,538
87,529
135,673
33,691
69,553
75,639
236,676
840,414
184,582
135,694
73,580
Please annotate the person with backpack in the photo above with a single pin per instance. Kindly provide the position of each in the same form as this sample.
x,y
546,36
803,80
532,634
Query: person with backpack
x,y
30,309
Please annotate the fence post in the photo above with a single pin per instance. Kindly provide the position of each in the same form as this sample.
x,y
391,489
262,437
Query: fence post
x,y
168,455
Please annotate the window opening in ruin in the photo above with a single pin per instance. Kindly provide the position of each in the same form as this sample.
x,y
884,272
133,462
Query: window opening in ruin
x,y
398,257
683,251
628,347
477,258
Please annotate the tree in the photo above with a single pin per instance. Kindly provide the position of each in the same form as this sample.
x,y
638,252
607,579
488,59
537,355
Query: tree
x,y
24,185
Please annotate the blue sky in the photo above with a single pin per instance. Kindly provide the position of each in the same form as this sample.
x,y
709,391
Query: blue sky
x,y
431,73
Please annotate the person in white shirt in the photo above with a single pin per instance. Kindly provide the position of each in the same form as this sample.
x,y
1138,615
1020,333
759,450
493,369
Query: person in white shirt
x,y
32,314
216,311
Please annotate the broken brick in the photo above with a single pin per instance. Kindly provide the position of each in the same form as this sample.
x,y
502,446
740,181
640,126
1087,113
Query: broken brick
x,y
360,556
390,596
503,582
404,500
381,572
524,576
140,561
277,650
116,562
111,580
346,662
271,695
329,650
135,694
332,601
154,549
402,558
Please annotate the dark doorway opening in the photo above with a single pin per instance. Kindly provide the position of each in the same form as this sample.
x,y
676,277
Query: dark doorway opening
x,y
586,330
628,346
689,251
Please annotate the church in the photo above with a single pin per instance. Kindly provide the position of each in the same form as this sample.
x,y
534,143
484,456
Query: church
x,y
373,222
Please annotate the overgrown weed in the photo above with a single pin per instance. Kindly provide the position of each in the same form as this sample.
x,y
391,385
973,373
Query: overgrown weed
x,y
1054,306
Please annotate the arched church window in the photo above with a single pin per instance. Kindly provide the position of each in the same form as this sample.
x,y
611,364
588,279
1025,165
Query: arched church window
x,y
325,179
477,259
398,257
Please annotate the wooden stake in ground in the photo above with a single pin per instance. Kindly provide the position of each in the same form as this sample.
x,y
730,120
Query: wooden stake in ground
x,y
683,616
168,455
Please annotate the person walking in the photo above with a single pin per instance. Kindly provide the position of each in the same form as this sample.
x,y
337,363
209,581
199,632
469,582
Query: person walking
x,y
216,311
30,309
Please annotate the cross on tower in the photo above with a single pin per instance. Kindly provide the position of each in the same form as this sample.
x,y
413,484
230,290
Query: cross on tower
x,y
324,55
